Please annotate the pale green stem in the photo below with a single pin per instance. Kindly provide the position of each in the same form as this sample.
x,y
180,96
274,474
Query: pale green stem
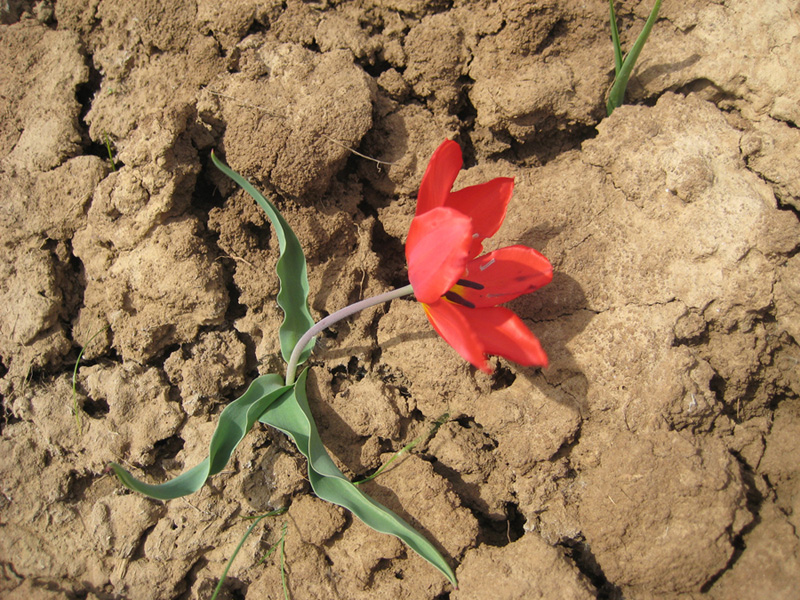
x,y
323,324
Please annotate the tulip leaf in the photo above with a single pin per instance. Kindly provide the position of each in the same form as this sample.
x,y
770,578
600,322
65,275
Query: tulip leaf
x,y
615,40
292,415
234,422
291,269
623,71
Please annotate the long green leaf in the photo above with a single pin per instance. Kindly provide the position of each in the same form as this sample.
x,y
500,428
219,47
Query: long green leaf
x,y
617,93
292,415
615,40
234,422
291,268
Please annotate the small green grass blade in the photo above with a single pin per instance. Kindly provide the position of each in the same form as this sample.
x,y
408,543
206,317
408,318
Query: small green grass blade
x,y
407,448
617,93
110,152
291,268
292,415
256,520
234,422
283,562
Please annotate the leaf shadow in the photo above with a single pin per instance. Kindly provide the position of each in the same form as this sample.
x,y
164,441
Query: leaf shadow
x,y
641,78
391,500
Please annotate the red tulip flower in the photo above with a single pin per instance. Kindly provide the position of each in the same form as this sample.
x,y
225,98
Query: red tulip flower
x,y
459,292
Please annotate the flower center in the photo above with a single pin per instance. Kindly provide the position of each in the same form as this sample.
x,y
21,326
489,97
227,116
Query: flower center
x,y
454,293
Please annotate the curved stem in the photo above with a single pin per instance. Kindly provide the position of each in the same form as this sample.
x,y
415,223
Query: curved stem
x,y
347,311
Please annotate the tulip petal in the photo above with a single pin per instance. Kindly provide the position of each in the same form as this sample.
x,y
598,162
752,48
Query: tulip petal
x,y
451,323
505,274
439,176
437,251
503,333
486,205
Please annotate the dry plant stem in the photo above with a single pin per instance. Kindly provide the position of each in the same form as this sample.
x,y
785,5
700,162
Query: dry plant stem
x,y
323,324
266,111
75,408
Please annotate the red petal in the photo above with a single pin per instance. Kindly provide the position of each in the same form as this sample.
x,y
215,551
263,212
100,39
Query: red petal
x,y
437,251
503,333
438,179
486,205
505,274
450,322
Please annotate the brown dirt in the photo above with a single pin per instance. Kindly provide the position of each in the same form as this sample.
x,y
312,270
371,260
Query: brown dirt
x,y
657,457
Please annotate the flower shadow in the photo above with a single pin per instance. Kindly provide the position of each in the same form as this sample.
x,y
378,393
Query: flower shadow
x,y
559,313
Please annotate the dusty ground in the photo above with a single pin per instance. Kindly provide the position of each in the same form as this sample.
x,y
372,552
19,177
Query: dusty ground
x,y
657,457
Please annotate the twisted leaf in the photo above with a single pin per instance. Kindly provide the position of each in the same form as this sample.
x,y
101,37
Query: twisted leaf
x,y
291,269
234,422
292,415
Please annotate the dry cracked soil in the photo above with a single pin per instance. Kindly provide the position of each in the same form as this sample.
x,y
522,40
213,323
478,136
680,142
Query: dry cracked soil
x,y
656,457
